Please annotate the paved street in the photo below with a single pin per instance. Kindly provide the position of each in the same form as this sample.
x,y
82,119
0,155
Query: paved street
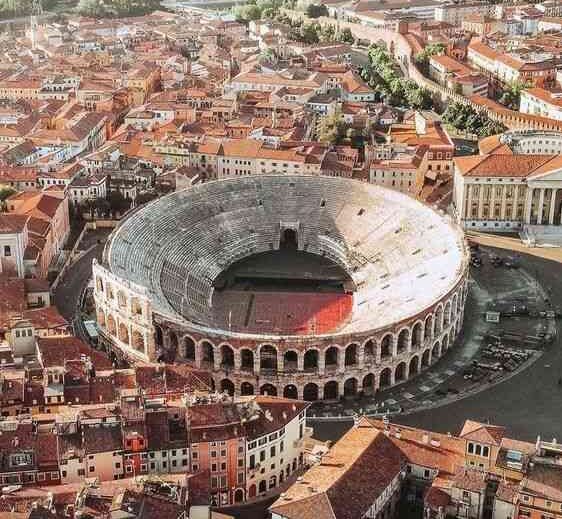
x,y
528,403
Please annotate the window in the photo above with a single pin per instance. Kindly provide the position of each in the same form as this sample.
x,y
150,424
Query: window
x,y
272,451
7,250
223,465
92,469
426,474
485,451
281,446
478,450
214,482
213,467
262,455
194,455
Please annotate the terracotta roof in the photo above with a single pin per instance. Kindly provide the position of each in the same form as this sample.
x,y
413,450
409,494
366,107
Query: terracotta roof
x,y
484,433
55,351
544,481
497,165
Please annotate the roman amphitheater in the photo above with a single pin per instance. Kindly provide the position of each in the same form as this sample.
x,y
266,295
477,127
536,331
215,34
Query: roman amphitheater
x,y
308,287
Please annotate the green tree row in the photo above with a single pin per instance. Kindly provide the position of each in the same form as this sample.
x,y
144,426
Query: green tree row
x,y
381,75
466,118
111,8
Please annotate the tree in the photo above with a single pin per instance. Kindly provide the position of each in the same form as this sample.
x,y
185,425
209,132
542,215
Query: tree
x,y
93,8
331,128
316,10
346,36
433,49
118,203
511,96
5,192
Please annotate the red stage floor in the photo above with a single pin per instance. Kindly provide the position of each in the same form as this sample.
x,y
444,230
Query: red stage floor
x,y
283,313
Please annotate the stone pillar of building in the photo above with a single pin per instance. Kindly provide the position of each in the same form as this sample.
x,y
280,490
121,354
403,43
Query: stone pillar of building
x,y
552,206
341,360
237,361
321,363
256,363
361,356
300,361
541,206
515,203
198,355
280,362
217,358
468,212
394,346
492,204
480,202
528,205
503,203
378,352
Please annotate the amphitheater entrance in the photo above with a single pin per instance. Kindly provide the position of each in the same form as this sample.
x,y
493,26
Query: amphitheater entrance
x,y
289,240
291,391
310,392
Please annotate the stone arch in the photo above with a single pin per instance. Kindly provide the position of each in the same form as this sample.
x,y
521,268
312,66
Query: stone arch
x,y
417,336
268,357
369,384
331,390
158,335
111,326
246,389
136,307
137,341
100,316
331,356
311,360
370,352
436,350
351,353
452,336
414,367
290,360
455,303
123,333
121,299
246,359
188,348
447,314
310,392
262,486
428,327
426,357
227,386
239,495
438,321
268,389
445,342
403,340
291,391
99,284
207,353
252,491
386,346
350,387
173,340
400,373
227,356
385,379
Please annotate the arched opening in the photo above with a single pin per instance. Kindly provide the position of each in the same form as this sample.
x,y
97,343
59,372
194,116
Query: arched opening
x,y
331,358
111,326
158,335
351,355
99,284
123,333
289,240
369,352
454,307
136,307
350,387
227,386
400,373
445,342
189,348
262,487
436,351
291,391
247,360
369,384
121,299
385,378
269,390
268,358
227,357
207,354
246,389
438,325
428,332
311,360
403,339
252,491
417,335
272,481
290,361
414,366
173,341
425,359
138,341
331,391
447,315
239,495
101,319
386,346
310,392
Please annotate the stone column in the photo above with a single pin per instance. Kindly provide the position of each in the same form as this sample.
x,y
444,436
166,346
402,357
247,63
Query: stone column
x,y
504,203
280,361
515,203
361,356
394,346
300,361
321,363
257,364
237,361
528,205
541,206
378,352
217,358
198,355
481,201
492,204
468,213
552,206
341,360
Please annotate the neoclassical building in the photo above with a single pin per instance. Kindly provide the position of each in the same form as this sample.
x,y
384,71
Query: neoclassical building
x,y
161,290
516,180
